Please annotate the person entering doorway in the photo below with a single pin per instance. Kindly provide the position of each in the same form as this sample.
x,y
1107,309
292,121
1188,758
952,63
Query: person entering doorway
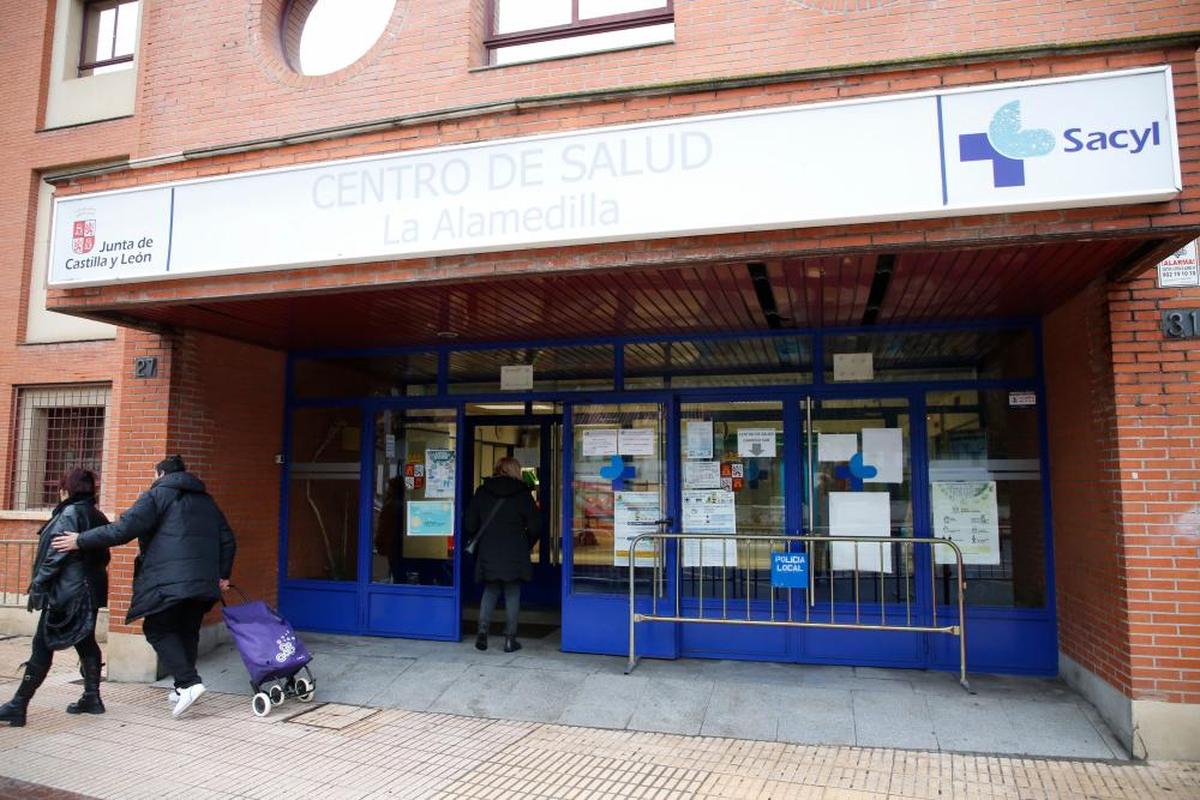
x,y
504,523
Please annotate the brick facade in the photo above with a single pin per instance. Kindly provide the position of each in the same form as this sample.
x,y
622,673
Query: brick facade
x,y
211,76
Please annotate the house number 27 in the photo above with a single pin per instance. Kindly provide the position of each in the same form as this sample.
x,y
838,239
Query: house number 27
x,y
1181,324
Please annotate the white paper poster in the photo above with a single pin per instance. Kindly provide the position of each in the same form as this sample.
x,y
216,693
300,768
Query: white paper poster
x,y
709,511
861,514
700,439
966,513
710,551
854,367
756,443
516,378
599,442
634,513
1181,269
439,473
389,446
636,441
836,446
883,449
702,475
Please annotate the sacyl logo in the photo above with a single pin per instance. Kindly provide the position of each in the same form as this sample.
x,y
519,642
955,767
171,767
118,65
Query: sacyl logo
x,y
1006,145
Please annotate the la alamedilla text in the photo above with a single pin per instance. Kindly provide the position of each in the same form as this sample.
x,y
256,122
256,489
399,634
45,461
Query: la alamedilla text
x,y
585,211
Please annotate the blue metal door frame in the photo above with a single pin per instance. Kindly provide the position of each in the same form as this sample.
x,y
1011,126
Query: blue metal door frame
x,y
1027,637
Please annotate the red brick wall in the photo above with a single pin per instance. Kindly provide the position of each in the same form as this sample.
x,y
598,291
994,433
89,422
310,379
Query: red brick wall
x,y
1089,566
1125,469
212,71
1158,470
219,404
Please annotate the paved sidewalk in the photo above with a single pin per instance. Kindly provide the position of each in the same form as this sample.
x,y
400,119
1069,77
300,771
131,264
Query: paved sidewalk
x,y
219,750
788,703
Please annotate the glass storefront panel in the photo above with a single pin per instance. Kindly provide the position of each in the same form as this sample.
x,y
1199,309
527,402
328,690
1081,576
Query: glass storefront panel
x,y
986,494
861,474
749,361
404,375
414,497
619,491
323,496
731,472
939,355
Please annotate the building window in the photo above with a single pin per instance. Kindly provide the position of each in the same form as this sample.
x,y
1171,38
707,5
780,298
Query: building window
x,y
57,429
529,30
109,36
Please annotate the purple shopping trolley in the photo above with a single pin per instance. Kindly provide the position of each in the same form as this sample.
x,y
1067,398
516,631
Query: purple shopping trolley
x,y
272,654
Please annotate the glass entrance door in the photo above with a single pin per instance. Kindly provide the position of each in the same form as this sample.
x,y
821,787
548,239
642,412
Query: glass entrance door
x,y
859,481
536,442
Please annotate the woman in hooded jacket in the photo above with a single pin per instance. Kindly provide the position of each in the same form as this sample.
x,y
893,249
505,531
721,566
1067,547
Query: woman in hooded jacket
x,y
506,523
68,588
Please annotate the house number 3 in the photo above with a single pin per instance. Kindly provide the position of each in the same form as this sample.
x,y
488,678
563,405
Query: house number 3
x,y
1181,324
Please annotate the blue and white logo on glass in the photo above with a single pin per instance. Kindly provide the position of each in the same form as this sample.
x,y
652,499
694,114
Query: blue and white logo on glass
x,y
1007,145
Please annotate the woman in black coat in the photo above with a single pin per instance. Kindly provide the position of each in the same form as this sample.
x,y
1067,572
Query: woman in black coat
x,y
68,588
504,518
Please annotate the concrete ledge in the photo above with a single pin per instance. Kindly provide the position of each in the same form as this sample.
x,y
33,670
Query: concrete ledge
x,y
130,658
1112,704
16,621
1168,731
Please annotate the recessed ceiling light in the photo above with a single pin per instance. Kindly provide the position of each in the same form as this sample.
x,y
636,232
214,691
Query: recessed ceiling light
x,y
446,334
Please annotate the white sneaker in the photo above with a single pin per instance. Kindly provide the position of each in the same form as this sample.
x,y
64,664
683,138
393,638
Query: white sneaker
x,y
173,696
186,697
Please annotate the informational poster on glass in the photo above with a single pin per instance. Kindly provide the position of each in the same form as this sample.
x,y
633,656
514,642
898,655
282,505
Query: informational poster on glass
x,y
756,443
634,513
707,550
439,473
702,475
636,441
709,511
883,449
966,513
599,442
699,439
861,514
836,446
430,517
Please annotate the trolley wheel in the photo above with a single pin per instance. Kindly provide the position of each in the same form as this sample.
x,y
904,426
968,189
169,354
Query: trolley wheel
x,y
275,694
304,690
261,704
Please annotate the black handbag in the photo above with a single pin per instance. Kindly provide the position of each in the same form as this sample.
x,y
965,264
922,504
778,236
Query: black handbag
x,y
473,544
68,624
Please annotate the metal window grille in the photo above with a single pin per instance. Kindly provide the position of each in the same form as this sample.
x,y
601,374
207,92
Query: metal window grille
x,y
108,39
57,429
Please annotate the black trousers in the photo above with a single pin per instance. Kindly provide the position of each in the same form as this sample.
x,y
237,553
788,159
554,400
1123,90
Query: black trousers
x,y
174,633
512,605
42,656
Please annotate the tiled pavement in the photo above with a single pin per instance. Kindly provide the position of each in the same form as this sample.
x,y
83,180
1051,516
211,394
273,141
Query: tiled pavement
x,y
220,750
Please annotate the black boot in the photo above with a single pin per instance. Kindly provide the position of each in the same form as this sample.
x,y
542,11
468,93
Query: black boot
x,y
511,645
89,703
481,640
13,712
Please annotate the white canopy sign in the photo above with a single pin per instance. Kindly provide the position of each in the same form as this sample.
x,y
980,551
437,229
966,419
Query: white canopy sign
x,y
1103,139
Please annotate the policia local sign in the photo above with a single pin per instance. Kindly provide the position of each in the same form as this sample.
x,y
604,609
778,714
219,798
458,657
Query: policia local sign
x,y
1100,139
